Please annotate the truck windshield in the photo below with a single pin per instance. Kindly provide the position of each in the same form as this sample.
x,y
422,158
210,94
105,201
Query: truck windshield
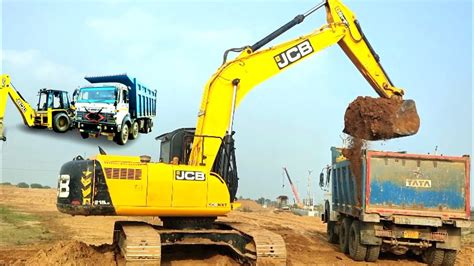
x,y
97,94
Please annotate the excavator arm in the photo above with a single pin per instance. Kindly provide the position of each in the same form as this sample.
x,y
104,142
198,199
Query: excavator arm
x,y
234,79
359,50
27,112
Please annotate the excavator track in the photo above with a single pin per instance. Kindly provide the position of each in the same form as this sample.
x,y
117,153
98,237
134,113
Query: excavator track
x,y
270,247
140,242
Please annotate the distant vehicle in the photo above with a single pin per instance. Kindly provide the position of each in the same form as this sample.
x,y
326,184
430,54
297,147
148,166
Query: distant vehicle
x,y
401,202
293,189
116,106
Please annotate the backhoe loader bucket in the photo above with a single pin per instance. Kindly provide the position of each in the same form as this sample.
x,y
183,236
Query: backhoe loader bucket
x,y
381,118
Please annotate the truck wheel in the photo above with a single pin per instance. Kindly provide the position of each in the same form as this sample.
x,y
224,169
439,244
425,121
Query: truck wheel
x,y
433,256
61,122
122,137
134,131
449,257
357,251
331,232
373,253
344,234
84,135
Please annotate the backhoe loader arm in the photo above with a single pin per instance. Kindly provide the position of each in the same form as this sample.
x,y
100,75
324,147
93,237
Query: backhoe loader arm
x,y
234,79
26,111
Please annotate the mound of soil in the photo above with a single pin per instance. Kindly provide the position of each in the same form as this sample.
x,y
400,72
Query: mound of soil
x,y
250,205
74,253
380,118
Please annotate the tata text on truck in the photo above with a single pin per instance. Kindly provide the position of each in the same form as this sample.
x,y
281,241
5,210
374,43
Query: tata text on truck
x,y
400,202
116,106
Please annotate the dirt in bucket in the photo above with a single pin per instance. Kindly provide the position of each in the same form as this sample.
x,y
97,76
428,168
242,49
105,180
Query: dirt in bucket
x,y
381,118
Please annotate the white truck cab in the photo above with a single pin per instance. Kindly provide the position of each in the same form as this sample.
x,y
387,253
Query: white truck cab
x,y
119,110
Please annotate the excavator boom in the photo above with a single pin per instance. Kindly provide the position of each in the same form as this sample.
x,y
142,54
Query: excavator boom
x,y
235,78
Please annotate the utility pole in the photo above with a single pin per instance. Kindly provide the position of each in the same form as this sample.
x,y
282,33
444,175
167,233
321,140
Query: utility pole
x,y
309,192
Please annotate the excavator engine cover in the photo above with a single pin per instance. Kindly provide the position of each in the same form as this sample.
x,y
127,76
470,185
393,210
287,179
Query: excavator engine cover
x,y
381,118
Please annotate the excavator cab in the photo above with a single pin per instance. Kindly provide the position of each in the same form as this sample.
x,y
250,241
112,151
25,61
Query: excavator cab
x,y
177,143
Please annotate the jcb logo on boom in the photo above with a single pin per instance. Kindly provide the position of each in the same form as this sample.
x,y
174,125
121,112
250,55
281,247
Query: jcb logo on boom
x,y
190,175
293,54
21,105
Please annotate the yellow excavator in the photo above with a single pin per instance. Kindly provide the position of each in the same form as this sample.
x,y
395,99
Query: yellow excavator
x,y
194,181
54,109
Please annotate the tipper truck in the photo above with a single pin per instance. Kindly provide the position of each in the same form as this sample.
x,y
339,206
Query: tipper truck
x,y
397,202
116,106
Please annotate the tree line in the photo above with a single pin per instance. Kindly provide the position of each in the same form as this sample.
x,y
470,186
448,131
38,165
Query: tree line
x,y
25,185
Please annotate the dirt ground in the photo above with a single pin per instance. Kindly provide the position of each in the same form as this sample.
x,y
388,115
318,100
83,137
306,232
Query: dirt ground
x,y
86,240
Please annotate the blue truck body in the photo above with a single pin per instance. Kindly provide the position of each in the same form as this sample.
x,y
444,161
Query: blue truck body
x,y
398,183
399,201
142,99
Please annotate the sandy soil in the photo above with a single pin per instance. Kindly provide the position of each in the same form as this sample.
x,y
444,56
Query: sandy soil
x,y
86,240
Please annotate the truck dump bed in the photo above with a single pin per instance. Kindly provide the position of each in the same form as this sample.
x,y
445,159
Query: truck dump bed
x,y
403,184
142,99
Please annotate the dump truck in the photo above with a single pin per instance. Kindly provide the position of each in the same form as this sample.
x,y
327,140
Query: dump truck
x,y
116,106
396,202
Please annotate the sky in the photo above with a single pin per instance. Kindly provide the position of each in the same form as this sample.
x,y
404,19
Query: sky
x,y
290,121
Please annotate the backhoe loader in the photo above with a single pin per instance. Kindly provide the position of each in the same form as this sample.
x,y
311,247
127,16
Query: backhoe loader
x,y
54,109
195,180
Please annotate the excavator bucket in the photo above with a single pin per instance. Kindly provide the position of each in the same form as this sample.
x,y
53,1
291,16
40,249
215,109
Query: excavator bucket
x,y
381,118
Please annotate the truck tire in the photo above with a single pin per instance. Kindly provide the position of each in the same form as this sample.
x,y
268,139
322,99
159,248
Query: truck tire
x,y
134,130
433,256
373,253
61,122
122,137
449,257
357,251
326,212
331,232
344,234
84,135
